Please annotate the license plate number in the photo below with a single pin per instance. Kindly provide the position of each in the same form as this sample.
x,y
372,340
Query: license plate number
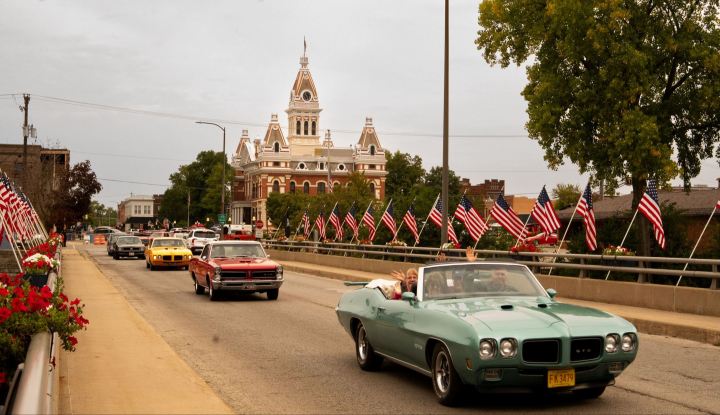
x,y
561,378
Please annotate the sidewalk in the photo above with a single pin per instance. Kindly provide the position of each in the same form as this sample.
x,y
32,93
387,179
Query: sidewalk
x,y
120,360
705,329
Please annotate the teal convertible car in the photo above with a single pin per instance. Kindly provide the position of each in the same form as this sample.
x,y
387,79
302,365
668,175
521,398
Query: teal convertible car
x,y
490,326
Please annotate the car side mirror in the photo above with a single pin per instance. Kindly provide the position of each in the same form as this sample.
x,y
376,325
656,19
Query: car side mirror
x,y
551,292
408,296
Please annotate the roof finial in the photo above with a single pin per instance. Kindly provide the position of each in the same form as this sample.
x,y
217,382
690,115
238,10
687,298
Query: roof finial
x,y
304,59
304,47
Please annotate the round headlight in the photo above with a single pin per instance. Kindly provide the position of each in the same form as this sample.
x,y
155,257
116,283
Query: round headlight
x,y
628,342
279,271
611,343
487,349
218,270
508,348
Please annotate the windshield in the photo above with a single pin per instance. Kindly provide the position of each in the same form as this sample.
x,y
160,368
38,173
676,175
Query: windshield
x,y
168,242
230,251
204,234
128,240
479,280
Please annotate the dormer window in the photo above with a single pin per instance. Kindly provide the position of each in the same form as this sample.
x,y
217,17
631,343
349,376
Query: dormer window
x,y
372,150
321,166
341,167
301,166
276,147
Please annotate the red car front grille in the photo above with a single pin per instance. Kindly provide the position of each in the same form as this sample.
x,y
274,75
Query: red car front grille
x,y
255,274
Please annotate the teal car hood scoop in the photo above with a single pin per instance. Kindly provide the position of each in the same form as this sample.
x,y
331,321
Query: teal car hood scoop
x,y
498,315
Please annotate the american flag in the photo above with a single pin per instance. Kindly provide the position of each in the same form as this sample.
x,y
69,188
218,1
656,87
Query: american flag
x,y
467,214
350,220
320,224
335,220
388,219
305,221
650,208
411,223
585,209
507,218
369,220
544,213
9,204
436,217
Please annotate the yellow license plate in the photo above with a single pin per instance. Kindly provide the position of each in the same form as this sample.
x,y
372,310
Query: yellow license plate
x,y
561,378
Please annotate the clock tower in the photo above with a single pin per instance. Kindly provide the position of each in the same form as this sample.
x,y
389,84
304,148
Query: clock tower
x,y
303,112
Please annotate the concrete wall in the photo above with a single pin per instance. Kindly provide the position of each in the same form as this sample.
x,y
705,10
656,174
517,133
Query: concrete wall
x,y
660,297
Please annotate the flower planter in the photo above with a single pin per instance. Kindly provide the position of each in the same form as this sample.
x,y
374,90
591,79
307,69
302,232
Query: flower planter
x,y
37,280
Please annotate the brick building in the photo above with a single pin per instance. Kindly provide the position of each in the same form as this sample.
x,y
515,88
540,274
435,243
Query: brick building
x,y
300,162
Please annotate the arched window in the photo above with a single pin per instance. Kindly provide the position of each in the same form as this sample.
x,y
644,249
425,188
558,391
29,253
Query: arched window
x,y
306,187
336,186
276,187
292,187
372,188
372,150
321,187
306,128
313,128
297,128
276,147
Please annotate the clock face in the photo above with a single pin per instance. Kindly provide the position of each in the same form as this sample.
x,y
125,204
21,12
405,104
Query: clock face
x,y
306,96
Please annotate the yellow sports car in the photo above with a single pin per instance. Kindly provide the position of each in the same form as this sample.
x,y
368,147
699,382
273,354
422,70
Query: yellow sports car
x,y
167,252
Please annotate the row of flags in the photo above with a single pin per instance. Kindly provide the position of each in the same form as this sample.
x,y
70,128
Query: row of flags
x,y
18,218
543,212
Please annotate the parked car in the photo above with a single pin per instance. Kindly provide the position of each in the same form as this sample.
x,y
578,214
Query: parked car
x,y
111,237
103,230
490,326
198,238
167,252
128,246
235,266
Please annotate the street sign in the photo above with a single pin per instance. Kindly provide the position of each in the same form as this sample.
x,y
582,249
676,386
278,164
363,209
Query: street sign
x,y
222,218
259,224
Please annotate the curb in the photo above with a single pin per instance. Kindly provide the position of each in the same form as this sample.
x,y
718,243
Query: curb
x,y
643,325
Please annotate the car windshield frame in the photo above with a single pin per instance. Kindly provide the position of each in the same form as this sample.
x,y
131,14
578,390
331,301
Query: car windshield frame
x,y
477,280
168,243
237,251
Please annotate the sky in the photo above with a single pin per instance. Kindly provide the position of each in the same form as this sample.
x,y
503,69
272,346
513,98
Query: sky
x,y
121,83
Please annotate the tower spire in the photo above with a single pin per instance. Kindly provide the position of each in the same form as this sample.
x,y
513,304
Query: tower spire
x,y
304,59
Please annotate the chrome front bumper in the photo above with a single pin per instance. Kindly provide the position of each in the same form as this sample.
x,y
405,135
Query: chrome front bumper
x,y
246,285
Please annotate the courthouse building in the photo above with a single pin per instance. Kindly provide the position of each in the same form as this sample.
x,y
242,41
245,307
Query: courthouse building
x,y
300,162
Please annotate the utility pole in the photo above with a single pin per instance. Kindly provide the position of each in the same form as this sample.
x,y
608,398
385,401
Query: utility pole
x,y
26,132
445,178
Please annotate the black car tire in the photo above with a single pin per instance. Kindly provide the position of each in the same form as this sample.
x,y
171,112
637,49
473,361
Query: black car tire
x,y
147,264
590,393
212,293
446,382
116,256
199,289
152,267
365,354
273,294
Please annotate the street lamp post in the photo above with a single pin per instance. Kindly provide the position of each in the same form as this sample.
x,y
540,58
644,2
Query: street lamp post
x,y
224,162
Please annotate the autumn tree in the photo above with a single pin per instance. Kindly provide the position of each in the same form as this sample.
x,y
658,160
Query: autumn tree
x,y
626,90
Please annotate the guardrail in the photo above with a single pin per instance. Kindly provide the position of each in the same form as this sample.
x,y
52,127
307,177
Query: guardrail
x,y
539,262
36,379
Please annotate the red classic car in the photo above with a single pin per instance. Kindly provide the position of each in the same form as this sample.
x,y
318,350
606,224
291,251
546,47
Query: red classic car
x,y
235,266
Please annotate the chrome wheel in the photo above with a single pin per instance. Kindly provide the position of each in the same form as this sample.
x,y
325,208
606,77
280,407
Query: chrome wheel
x,y
362,345
442,372
364,353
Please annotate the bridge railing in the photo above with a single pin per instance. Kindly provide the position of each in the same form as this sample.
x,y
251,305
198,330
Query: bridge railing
x,y
580,265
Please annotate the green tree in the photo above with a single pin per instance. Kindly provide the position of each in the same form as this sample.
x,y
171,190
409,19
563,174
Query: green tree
x,y
566,194
404,172
201,180
100,214
71,200
626,90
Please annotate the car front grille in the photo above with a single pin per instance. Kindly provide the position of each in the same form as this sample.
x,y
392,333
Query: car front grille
x,y
256,275
167,257
585,348
541,351
178,258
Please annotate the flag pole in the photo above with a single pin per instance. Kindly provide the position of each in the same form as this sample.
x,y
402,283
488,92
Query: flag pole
x,y
565,234
366,210
13,247
328,220
425,223
697,243
402,222
282,220
386,208
524,226
626,234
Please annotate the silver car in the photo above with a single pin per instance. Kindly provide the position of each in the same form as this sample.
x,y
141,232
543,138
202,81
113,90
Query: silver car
x,y
128,246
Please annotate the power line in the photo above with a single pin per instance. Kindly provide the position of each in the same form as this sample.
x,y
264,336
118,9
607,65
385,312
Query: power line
x,y
114,108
